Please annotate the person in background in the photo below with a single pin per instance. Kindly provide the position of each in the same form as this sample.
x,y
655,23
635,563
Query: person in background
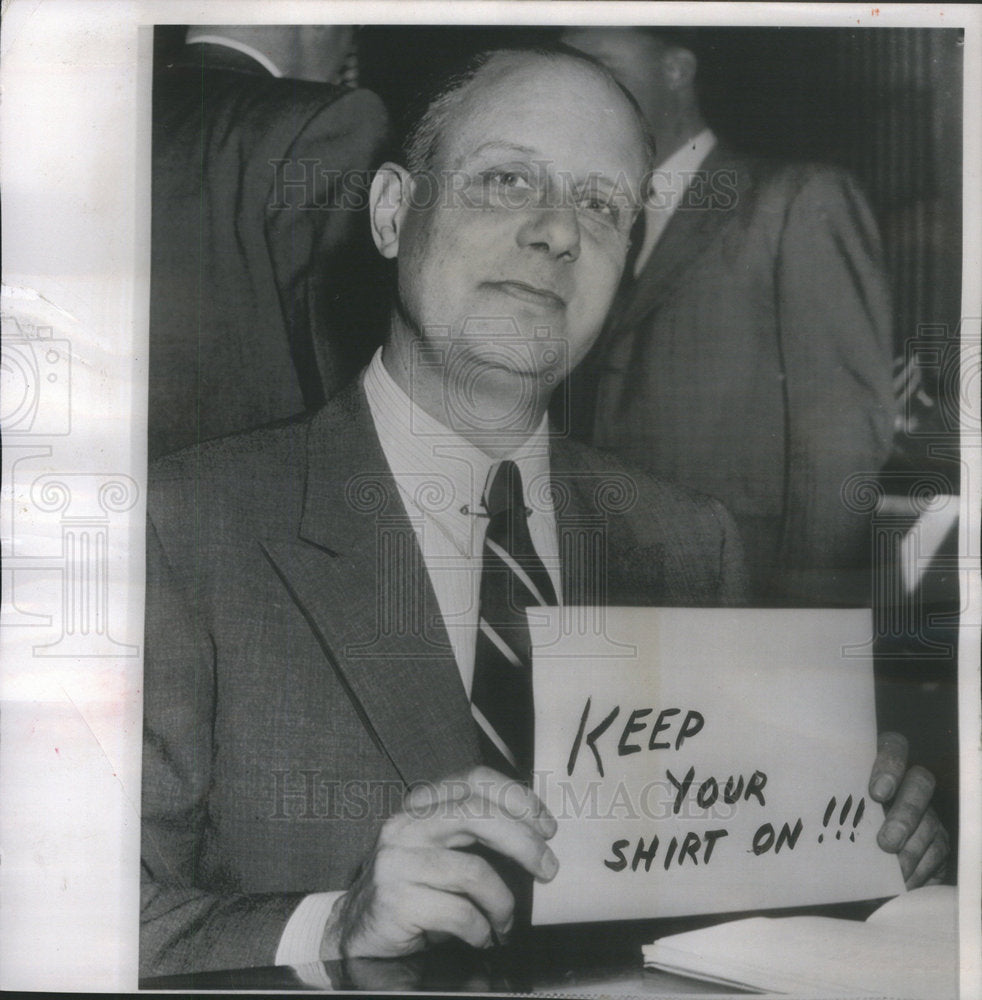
x,y
748,354
261,285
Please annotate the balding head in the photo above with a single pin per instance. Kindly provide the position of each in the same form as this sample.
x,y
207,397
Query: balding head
x,y
434,108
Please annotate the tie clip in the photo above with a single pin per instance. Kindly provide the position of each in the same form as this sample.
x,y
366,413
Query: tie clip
x,y
466,509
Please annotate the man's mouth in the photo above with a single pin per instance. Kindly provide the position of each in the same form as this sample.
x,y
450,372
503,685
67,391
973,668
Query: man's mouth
x,y
542,297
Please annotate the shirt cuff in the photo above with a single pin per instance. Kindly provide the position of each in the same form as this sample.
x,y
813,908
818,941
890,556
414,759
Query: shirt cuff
x,y
300,942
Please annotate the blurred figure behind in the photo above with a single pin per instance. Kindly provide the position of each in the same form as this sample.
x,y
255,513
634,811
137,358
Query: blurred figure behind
x,y
261,301
750,356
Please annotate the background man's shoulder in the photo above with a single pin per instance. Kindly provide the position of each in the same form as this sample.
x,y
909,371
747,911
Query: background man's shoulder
x,y
667,545
815,202
625,490
784,181
244,110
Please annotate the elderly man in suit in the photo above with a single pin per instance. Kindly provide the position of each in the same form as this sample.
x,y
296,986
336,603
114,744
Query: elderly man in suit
x,y
749,354
337,687
260,163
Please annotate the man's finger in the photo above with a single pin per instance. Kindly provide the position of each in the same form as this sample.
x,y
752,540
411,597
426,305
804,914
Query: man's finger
x,y
404,915
471,820
494,830
514,799
932,865
907,809
512,840
447,913
482,791
453,871
889,766
424,797
918,842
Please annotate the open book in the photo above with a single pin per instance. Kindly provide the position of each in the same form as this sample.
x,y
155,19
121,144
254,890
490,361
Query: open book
x,y
907,949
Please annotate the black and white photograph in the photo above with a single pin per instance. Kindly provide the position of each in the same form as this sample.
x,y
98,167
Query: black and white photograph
x,y
491,503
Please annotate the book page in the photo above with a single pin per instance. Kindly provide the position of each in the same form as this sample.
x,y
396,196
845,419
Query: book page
x,y
909,951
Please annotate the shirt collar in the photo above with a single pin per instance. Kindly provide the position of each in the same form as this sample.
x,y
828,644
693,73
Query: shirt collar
x,y
243,47
440,473
685,160
668,186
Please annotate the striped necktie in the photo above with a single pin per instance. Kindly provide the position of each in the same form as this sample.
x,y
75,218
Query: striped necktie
x,y
512,579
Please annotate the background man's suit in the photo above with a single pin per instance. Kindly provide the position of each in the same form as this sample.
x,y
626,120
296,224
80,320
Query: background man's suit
x,y
751,360
255,313
268,657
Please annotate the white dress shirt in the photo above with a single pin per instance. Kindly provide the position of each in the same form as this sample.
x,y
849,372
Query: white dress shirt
x,y
441,478
669,182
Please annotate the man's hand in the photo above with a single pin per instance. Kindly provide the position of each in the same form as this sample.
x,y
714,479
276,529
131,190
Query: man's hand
x,y
911,828
417,888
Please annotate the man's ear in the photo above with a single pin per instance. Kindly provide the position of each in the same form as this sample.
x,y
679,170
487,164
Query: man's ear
x,y
388,201
679,66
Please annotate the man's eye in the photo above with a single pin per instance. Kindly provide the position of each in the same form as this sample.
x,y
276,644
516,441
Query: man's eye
x,y
507,179
601,207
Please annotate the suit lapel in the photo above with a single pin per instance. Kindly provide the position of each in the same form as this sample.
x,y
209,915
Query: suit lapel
x,y
357,574
599,551
576,524
691,229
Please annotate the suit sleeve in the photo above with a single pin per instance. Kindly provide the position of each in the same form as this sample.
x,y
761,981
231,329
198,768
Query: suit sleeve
x,y
183,928
326,268
835,326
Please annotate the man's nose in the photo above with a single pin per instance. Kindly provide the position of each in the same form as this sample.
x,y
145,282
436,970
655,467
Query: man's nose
x,y
554,229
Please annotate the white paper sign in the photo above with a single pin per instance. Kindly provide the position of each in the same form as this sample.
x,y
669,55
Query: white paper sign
x,y
704,760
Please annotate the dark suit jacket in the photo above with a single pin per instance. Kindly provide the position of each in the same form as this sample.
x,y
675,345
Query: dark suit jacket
x,y
256,311
298,675
751,360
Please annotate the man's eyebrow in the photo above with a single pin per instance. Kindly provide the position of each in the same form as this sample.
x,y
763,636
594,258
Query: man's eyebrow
x,y
505,147
513,147
599,178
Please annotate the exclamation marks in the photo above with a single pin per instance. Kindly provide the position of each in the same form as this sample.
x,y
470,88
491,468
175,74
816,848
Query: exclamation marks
x,y
826,817
843,816
860,809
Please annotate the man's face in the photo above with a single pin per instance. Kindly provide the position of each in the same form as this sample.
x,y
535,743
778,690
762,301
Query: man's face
x,y
633,58
522,238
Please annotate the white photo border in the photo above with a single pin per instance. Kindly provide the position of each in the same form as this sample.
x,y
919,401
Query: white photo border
x,y
75,123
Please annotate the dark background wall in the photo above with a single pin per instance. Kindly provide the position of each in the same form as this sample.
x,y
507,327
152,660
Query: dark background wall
x,y
885,103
